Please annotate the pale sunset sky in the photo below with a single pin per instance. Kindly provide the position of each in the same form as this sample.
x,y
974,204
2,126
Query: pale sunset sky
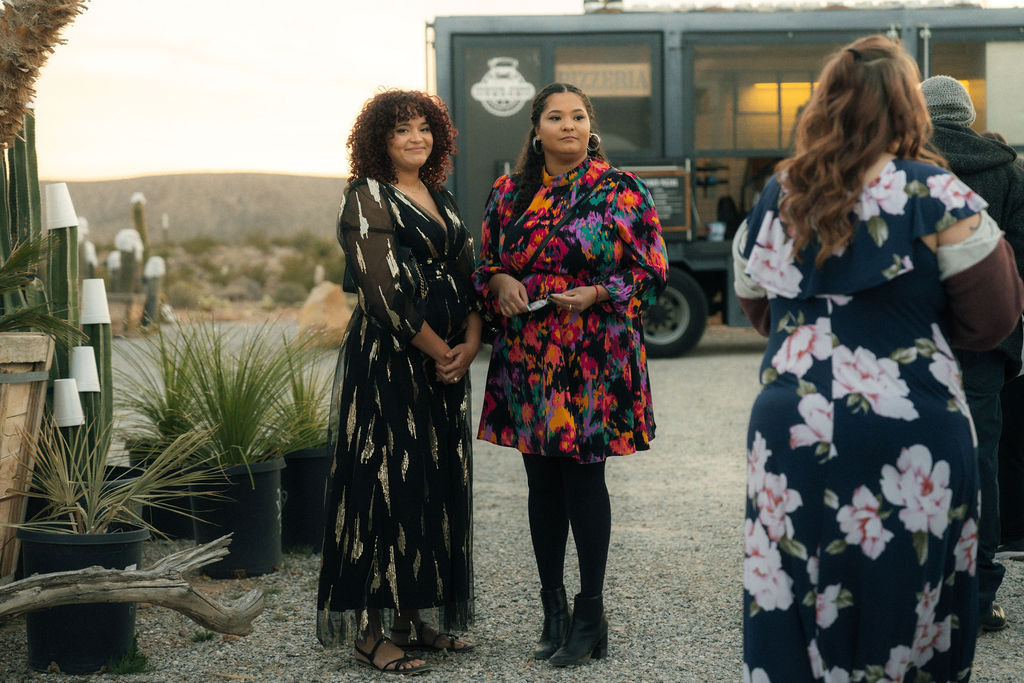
x,y
160,86
147,87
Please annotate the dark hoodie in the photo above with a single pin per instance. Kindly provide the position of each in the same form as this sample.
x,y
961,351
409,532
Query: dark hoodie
x,y
989,168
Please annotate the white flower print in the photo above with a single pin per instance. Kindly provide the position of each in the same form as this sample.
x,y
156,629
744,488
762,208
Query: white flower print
x,y
758,675
756,459
953,193
826,610
921,488
837,675
862,524
814,655
929,637
771,259
966,551
877,380
900,658
885,193
946,370
802,346
816,410
812,569
927,601
763,576
774,502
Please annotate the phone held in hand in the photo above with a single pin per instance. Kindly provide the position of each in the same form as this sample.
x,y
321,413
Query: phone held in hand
x,y
538,304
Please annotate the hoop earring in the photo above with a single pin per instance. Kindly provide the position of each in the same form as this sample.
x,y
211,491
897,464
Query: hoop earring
x,y
594,146
536,148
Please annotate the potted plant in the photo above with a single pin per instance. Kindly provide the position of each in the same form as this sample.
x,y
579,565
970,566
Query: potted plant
x,y
239,381
88,519
155,403
308,456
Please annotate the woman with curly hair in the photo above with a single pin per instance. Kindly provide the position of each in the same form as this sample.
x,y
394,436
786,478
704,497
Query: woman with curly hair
x,y
398,541
865,263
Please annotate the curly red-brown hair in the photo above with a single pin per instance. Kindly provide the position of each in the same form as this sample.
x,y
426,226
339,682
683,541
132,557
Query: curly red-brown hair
x,y
867,102
368,141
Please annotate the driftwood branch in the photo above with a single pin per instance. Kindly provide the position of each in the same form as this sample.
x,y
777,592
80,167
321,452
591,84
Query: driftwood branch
x,y
162,584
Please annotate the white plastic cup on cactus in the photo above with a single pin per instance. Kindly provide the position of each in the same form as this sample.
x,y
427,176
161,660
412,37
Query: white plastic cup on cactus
x,y
67,407
94,302
60,212
83,369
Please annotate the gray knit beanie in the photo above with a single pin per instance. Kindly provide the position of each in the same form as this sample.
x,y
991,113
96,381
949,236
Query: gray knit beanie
x,y
948,100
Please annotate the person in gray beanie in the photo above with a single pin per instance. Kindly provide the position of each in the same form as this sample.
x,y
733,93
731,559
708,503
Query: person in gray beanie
x,y
988,167
948,101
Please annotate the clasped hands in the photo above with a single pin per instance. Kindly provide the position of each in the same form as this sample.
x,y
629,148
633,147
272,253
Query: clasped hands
x,y
455,363
512,299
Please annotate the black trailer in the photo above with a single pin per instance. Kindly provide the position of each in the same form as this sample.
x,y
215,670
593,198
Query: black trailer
x,y
701,104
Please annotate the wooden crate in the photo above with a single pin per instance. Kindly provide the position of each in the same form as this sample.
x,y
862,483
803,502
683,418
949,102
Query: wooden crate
x,y
24,370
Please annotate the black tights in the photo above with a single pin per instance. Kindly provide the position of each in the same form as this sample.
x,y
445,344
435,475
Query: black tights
x,y
564,492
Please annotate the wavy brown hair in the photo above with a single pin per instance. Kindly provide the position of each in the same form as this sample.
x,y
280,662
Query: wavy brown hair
x,y
529,169
368,142
867,102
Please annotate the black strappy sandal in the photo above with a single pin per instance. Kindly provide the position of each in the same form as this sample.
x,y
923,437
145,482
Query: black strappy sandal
x,y
422,644
391,667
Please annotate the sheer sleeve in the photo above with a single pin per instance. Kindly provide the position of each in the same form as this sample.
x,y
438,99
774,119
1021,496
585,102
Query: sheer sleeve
x,y
463,260
644,268
378,264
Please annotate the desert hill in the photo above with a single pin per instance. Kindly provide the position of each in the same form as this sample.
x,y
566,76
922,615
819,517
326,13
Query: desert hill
x,y
225,206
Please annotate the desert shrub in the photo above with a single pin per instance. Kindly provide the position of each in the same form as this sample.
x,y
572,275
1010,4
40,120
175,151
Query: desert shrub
x,y
289,292
256,239
201,244
184,294
298,269
242,289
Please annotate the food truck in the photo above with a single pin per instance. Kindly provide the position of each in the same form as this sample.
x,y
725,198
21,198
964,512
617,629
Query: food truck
x,y
700,104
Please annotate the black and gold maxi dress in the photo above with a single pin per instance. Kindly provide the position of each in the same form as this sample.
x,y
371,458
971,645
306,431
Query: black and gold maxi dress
x,y
398,531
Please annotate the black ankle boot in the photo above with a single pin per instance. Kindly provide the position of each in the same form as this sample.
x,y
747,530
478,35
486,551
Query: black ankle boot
x,y
556,622
588,634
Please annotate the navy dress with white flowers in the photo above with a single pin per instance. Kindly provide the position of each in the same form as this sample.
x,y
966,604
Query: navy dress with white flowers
x,y
862,496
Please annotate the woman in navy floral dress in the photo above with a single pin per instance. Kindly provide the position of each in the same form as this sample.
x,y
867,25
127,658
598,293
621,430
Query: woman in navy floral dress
x,y
567,384
865,261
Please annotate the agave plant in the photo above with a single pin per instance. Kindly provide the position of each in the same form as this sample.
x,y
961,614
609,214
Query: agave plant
x,y
80,499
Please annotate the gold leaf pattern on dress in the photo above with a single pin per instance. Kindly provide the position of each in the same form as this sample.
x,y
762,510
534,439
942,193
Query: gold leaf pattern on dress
x,y
411,423
401,539
416,565
393,575
405,464
350,420
382,475
367,453
357,546
440,582
433,443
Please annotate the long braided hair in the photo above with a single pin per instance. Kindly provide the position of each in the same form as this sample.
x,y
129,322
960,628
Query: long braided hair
x,y
529,170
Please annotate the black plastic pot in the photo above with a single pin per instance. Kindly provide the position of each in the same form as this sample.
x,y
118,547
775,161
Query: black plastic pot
x,y
79,638
302,488
248,506
168,522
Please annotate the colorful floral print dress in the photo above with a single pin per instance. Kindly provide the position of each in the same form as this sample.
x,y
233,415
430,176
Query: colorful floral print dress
x,y
399,498
565,383
862,495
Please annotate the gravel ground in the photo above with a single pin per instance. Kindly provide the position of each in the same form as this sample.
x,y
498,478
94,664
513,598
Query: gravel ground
x,y
674,586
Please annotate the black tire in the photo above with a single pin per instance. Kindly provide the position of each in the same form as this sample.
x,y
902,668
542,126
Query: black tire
x,y
676,321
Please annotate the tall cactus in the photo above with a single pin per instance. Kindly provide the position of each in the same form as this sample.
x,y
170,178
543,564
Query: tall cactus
x,y
62,271
139,220
99,407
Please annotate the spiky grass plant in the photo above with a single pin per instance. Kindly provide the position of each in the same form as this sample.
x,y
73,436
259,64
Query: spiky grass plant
x,y
80,499
306,406
239,384
155,378
29,32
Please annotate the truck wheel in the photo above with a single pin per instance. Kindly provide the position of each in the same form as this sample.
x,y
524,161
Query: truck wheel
x,y
676,321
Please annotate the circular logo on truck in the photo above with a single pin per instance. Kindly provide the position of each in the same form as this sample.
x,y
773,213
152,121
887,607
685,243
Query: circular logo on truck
x,y
502,91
